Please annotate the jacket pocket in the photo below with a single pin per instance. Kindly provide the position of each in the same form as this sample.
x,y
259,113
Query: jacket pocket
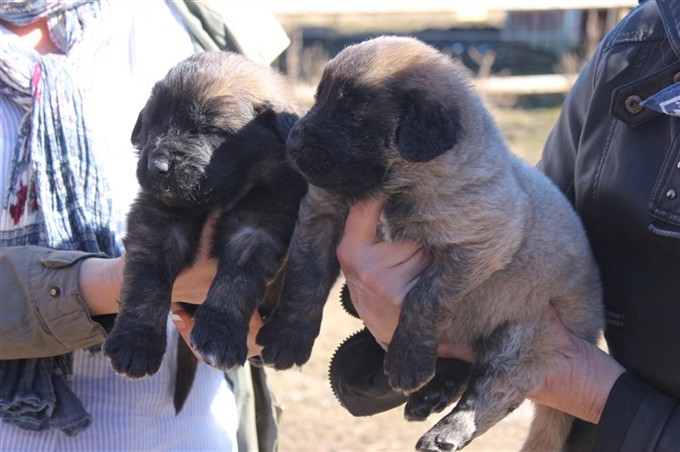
x,y
664,203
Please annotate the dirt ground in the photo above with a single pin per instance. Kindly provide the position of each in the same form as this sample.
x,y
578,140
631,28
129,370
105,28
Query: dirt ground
x,y
313,420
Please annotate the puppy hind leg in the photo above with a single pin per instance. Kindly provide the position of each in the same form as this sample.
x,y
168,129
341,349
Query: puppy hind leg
x,y
248,261
158,246
498,384
446,386
288,335
482,405
137,343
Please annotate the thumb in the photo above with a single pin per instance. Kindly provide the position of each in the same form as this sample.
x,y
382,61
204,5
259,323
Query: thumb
x,y
183,322
362,221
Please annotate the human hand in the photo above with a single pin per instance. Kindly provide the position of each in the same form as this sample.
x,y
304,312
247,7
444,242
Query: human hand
x,y
378,273
580,380
192,284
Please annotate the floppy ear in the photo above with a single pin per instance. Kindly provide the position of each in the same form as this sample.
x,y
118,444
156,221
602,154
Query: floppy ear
x,y
426,128
136,137
279,119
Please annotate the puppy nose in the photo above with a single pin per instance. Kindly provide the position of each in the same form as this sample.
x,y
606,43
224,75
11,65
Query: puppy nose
x,y
293,143
158,166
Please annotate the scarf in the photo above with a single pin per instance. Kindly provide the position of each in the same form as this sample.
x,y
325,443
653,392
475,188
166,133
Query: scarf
x,y
666,101
56,194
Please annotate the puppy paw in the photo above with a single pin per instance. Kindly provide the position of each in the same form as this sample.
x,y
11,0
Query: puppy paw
x,y
135,351
221,342
427,400
409,368
441,391
284,345
453,432
428,443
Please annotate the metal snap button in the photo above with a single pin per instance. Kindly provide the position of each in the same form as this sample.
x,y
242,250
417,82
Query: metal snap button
x,y
55,291
671,194
633,104
676,77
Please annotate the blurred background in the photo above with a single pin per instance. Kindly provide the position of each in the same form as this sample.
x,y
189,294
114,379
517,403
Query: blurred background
x,y
524,56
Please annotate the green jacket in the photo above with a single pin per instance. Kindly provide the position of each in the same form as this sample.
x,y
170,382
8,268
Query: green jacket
x,y
42,312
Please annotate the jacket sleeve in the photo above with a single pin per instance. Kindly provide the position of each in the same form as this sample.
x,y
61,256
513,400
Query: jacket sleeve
x,y
638,417
42,313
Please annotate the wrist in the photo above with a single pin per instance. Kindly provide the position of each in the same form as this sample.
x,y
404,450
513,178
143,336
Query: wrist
x,y
99,284
581,384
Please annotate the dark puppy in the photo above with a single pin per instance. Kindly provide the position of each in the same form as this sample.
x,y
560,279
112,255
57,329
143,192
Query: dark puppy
x,y
210,138
394,117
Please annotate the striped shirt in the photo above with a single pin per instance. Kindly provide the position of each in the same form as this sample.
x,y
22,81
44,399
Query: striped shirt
x,y
136,415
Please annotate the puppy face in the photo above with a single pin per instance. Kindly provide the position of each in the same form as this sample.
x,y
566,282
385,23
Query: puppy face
x,y
205,126
373,105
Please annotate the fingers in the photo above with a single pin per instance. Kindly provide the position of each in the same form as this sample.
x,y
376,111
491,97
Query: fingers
x,y
359,248
255,324
411,269
184,323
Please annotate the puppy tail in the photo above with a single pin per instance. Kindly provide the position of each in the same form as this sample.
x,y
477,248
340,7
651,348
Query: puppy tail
x,y
185,373
549,430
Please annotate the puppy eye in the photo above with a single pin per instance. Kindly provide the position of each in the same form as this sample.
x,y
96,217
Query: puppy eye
x,y
211,130
354,116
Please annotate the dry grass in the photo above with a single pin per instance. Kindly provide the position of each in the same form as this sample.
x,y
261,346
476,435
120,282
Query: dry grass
x,y
313,420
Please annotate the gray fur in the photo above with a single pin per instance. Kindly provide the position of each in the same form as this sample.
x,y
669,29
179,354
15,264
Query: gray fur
x,y
396,118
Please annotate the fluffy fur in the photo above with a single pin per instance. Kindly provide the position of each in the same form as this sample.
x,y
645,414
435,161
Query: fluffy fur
x,y
395,118
211,137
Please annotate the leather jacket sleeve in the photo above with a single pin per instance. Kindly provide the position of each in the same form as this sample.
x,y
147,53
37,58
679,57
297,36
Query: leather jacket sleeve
x,y
619,164
42,312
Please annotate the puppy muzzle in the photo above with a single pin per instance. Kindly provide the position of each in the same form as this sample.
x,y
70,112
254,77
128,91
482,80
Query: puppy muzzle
x,y
158,166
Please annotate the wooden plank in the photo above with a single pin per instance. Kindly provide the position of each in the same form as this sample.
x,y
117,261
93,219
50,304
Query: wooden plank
x,y
452,6
526,84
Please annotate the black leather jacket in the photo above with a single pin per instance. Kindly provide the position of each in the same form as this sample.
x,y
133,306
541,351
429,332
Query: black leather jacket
x,y
619,163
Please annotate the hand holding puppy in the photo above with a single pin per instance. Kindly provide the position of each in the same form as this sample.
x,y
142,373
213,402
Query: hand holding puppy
x,y
379,274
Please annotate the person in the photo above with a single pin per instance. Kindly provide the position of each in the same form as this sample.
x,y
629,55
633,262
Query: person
x,y
66,188
616,156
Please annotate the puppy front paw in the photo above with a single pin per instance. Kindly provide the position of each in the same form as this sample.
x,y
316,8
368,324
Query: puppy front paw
x,y
409,366
221,342
135,351
284,344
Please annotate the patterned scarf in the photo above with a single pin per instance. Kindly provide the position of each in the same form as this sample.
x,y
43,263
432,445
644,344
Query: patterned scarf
x,y
56,195
666,101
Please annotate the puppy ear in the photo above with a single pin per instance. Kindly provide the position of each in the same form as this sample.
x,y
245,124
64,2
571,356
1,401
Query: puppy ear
x,y
426,128
136,137
279,118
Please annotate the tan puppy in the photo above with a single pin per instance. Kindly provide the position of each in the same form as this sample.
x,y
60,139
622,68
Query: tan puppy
x,y
396,118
